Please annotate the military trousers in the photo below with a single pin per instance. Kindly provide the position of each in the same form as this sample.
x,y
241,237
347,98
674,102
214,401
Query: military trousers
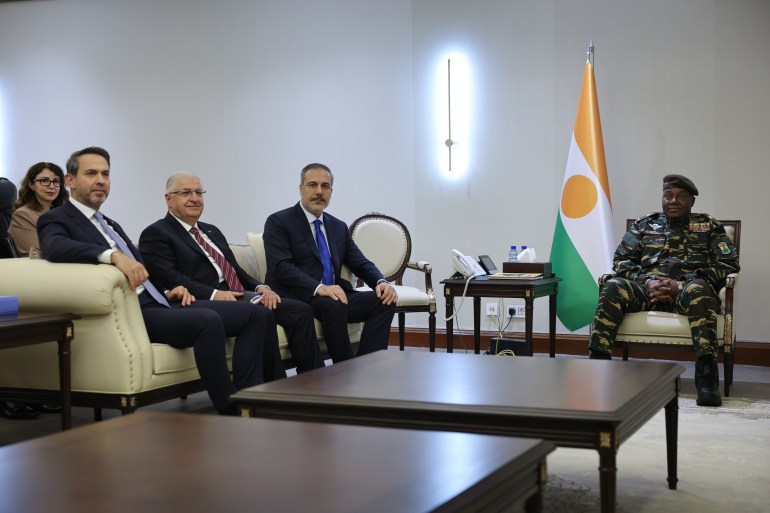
x,y
619,296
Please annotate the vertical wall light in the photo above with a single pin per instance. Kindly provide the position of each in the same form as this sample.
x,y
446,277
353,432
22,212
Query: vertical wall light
x,y
3,135
452,109
449,141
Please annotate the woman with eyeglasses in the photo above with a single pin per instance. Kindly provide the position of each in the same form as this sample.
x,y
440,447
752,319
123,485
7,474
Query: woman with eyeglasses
x,y
41,190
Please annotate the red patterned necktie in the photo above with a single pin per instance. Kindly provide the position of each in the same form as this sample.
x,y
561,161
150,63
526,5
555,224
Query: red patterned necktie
x,y
230,276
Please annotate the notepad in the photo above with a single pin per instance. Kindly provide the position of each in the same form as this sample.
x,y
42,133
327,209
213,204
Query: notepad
x,y
515,276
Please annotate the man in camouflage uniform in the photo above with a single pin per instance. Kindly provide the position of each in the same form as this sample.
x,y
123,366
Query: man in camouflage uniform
x,y
671,261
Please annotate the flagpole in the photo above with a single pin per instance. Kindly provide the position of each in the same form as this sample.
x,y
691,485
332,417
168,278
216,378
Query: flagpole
x,y
590,53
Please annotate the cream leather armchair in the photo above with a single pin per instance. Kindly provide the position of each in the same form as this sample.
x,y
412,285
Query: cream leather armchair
x,y
114,363
672,331
387,243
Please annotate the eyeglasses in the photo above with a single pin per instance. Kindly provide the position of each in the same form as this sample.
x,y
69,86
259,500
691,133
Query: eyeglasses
x,y
186,193
45,182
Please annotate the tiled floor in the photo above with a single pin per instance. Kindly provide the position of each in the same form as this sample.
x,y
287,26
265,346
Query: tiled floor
x,y
749,381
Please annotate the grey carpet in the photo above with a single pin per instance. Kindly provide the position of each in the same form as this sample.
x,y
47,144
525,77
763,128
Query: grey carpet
x,y
723,465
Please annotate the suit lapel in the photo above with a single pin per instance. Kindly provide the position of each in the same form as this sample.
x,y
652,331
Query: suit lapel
x,y
86,225
184,235
307,232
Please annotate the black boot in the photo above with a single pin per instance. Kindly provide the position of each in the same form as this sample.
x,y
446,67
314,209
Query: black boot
x,y
597,355
707,381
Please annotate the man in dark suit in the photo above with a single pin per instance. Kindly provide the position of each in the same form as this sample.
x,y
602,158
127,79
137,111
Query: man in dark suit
x,y
179,249
306,249
79,233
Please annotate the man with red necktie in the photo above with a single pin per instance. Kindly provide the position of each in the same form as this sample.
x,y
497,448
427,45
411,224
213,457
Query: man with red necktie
x,y
181,249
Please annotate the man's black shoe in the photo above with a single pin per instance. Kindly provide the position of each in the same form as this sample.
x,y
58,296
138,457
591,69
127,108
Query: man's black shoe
x,y
596,355
18,411
49,408
707,382
231,410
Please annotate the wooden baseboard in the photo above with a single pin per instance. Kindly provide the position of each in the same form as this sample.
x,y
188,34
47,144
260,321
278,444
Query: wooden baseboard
x,y
746,353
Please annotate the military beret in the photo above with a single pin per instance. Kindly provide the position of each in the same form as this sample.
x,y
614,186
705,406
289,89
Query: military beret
x,y
680,182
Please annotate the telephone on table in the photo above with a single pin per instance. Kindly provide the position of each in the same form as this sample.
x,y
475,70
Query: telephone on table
x,y
465,265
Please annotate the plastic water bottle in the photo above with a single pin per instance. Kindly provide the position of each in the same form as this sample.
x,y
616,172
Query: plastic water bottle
x,y
513,255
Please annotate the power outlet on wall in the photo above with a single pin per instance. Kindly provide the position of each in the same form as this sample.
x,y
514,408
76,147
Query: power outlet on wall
x,y
516,311
491,309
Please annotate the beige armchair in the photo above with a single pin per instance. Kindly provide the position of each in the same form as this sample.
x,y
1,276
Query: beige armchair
x,y
387,243
114,363
672,331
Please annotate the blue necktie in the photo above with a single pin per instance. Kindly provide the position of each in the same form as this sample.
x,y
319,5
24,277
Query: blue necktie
x,y
123,247
323,250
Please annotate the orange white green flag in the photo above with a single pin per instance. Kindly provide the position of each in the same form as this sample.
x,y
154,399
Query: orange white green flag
x,y
582,246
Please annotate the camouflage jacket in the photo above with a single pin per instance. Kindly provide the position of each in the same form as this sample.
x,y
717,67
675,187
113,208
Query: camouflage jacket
x,y
698,248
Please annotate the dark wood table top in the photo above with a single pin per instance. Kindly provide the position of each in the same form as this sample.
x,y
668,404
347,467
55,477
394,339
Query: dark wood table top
x,y
26,328
487,287
174,462
477,393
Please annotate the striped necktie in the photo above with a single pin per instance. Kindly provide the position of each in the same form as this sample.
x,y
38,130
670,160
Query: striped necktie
x,y
231,277
123,247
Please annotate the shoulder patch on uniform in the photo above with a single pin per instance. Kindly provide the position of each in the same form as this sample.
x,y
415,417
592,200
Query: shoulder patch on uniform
x,y
724,248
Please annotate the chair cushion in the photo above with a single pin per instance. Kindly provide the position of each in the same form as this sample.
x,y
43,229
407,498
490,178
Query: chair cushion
x,y
246,258
660,327
407,296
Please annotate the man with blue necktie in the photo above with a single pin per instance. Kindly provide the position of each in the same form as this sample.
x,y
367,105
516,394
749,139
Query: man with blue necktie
x,y
306,249
79,233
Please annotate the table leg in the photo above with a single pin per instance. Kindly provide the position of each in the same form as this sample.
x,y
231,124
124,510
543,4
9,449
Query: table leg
x,y
607,478
672,435
552,323
529,307
477,325
65,383
450,303
534,503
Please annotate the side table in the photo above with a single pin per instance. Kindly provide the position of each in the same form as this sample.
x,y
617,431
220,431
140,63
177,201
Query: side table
x,y
25,329
525,289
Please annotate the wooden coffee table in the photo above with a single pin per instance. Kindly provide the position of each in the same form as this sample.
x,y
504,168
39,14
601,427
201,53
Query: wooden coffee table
x,y
184,462
572,402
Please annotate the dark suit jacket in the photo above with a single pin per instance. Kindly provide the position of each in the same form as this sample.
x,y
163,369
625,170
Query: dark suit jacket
x,y
66,235
7,197
294,266
173,258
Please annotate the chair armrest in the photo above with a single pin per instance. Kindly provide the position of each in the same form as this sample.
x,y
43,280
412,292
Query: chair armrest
x,y
82,289
424,267
728,293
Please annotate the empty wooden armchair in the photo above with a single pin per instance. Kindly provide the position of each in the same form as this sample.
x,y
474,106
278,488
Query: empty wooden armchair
x,y
387,243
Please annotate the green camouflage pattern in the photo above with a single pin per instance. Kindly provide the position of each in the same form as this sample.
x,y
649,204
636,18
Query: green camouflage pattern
x,y
696,251
695,248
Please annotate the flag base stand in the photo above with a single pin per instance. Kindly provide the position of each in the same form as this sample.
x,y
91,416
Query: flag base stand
x,y
507,346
